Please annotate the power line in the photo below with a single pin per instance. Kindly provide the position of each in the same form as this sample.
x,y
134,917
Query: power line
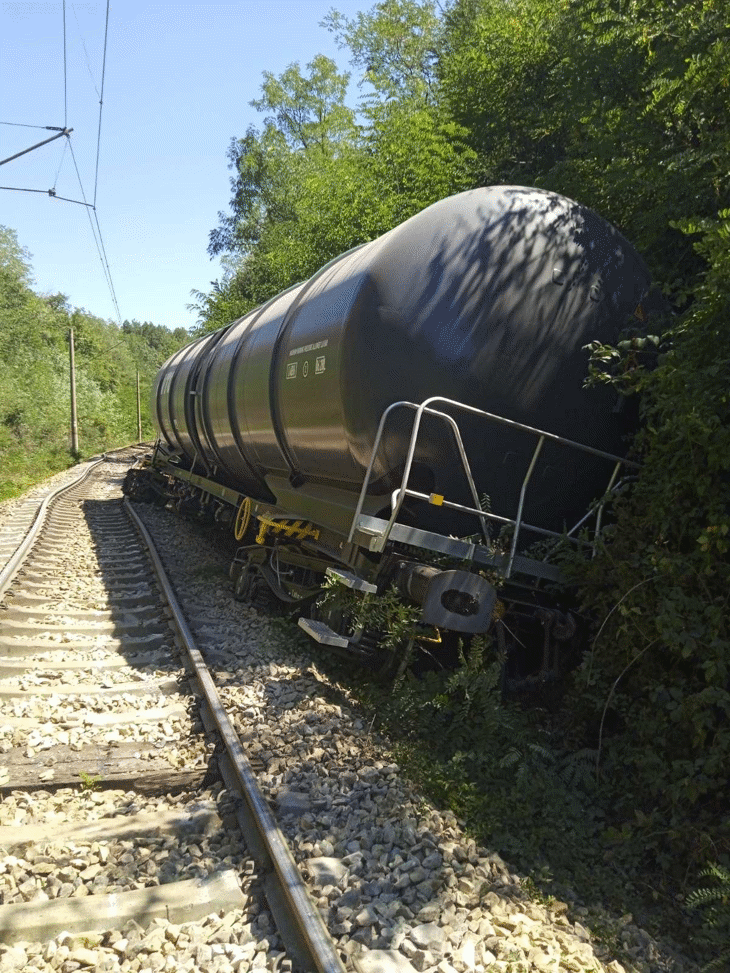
x,y
58,171
101,101
86,53
101,250
111,283
50,128
65,86
90,207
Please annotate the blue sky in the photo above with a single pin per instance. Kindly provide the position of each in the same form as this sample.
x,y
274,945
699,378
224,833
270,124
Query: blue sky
x,y
179,79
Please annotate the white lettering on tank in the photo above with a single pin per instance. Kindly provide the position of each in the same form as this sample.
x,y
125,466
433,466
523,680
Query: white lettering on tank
x,y
312,347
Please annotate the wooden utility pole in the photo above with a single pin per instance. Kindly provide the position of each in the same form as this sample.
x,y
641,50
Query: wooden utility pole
x,y
74,418
139,413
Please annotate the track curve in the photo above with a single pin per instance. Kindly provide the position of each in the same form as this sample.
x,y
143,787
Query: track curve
x,y
95,696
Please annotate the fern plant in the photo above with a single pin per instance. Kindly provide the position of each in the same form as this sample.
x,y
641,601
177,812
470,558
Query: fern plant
x,y
387,614
714,901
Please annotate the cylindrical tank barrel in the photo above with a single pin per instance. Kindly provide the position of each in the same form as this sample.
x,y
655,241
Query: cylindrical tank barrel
x,y
487,297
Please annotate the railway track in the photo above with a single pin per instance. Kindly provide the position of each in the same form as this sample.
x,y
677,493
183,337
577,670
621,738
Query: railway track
x,y
18,516
401,884
122,846
123,793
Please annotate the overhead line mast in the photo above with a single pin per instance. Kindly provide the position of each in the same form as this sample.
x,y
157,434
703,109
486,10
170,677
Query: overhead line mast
x,y
90,207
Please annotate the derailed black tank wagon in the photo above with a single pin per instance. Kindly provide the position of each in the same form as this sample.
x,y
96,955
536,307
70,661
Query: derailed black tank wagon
x,y
354,425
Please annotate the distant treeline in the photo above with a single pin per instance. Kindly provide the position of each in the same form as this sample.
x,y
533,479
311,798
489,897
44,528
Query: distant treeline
x,y
34,363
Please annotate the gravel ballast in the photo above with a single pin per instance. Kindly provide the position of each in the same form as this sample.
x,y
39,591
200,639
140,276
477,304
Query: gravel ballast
x,y
398,881
85,851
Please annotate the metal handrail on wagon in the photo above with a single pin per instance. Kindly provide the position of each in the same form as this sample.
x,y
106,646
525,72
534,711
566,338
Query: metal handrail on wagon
x,y
402,492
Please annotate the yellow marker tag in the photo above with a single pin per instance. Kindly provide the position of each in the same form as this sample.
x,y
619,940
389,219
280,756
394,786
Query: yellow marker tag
x,y
436,499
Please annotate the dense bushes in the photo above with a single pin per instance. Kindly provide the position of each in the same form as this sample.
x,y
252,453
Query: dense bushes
x,y
662,661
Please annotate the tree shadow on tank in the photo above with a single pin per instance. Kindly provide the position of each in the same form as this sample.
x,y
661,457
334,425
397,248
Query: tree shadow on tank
x,y
501,311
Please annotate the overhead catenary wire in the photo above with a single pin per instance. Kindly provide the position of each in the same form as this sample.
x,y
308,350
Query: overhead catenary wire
x,y
86,53
65,74
90,207
101,249
101,101
51,128
58,171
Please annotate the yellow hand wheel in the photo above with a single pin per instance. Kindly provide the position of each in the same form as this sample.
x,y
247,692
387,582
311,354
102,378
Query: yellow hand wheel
x,y
243,519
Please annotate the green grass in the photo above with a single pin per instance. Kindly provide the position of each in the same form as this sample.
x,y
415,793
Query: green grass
x,y
25,466
21,469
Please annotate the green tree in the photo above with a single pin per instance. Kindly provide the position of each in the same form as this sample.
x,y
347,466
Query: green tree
x,y
312,183
395,45
307,124
14,261
34,395
620,105
309,112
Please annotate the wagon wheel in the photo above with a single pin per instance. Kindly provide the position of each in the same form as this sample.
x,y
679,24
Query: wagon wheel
x,y
263,599
243,584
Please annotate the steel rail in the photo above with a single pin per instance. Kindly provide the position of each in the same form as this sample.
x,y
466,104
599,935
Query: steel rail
x,y
302,929
8,573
